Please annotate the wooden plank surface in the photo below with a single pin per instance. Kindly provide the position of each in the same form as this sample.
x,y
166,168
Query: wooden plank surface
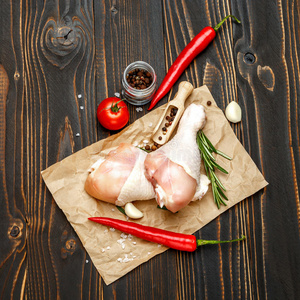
x,y
59,59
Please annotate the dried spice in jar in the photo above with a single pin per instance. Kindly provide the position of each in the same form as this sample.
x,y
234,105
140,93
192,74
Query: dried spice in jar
x,y
139,79
139,83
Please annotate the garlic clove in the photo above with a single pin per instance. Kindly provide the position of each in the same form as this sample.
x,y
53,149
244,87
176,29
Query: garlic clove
x,y
233,112
132,212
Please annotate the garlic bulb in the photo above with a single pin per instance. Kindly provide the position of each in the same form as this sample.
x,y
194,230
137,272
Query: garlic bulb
x,y
132,212
233,112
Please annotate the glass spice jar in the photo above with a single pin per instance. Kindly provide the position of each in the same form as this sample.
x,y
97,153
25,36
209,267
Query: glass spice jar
x,y
138,93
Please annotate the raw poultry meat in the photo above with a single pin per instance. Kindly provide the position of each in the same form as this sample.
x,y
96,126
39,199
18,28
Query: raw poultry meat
x,y
120,176
174,169
170,174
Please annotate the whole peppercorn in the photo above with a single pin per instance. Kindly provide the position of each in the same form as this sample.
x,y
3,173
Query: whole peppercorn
x,y
147,147
140,78
153,148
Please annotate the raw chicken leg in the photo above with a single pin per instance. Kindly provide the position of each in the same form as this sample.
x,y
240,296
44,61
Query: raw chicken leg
x,y
120,177
174,169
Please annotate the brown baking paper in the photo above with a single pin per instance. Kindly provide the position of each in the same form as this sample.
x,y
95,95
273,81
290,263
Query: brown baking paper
x,y
115,254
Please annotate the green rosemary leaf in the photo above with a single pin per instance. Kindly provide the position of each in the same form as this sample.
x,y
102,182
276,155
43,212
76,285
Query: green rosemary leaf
x,y
219,167
204,141
209,142
223,154
121,209
219,197
164,208
214,149
208,152
221,193
206,149
206,169
215,196
144,149
219,183
206,158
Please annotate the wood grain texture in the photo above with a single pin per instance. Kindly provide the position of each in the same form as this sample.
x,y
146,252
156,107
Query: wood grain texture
x,y
59,59
126,32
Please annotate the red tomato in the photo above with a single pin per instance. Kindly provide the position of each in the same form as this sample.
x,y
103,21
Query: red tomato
x,y
113,113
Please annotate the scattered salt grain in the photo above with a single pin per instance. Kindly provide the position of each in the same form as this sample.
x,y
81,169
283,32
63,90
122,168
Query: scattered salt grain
x,y
117,95
135,143
123,246
150,124
120,241
149,253
125,259
108,247
79,96
134,243
159,245
123,235
113,209
78,134
81,107
86,261
106,230
103,250
139,109
112,229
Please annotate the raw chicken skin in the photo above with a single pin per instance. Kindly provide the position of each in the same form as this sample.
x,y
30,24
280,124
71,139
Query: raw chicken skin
x,y
174,169
119,177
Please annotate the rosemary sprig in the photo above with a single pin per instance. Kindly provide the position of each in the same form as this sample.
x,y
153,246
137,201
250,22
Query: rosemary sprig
x,y
144,149
207,149
121,209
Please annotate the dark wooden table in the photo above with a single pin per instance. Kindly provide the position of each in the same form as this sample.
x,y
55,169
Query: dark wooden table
x,y
59,59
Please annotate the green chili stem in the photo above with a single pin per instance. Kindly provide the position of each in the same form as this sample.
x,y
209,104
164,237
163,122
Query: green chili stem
x,y
220,24
210,242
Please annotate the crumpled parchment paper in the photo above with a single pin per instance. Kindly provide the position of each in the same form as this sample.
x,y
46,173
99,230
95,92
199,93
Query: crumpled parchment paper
x,y
115,254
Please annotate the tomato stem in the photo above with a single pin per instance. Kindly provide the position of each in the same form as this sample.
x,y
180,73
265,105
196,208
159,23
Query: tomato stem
x,y
115,107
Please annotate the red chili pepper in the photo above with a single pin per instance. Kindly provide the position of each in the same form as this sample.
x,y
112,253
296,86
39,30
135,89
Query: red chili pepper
x,y
193,48
178,241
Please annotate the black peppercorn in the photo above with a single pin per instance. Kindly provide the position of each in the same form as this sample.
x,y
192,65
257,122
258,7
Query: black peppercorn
x,y
139,78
